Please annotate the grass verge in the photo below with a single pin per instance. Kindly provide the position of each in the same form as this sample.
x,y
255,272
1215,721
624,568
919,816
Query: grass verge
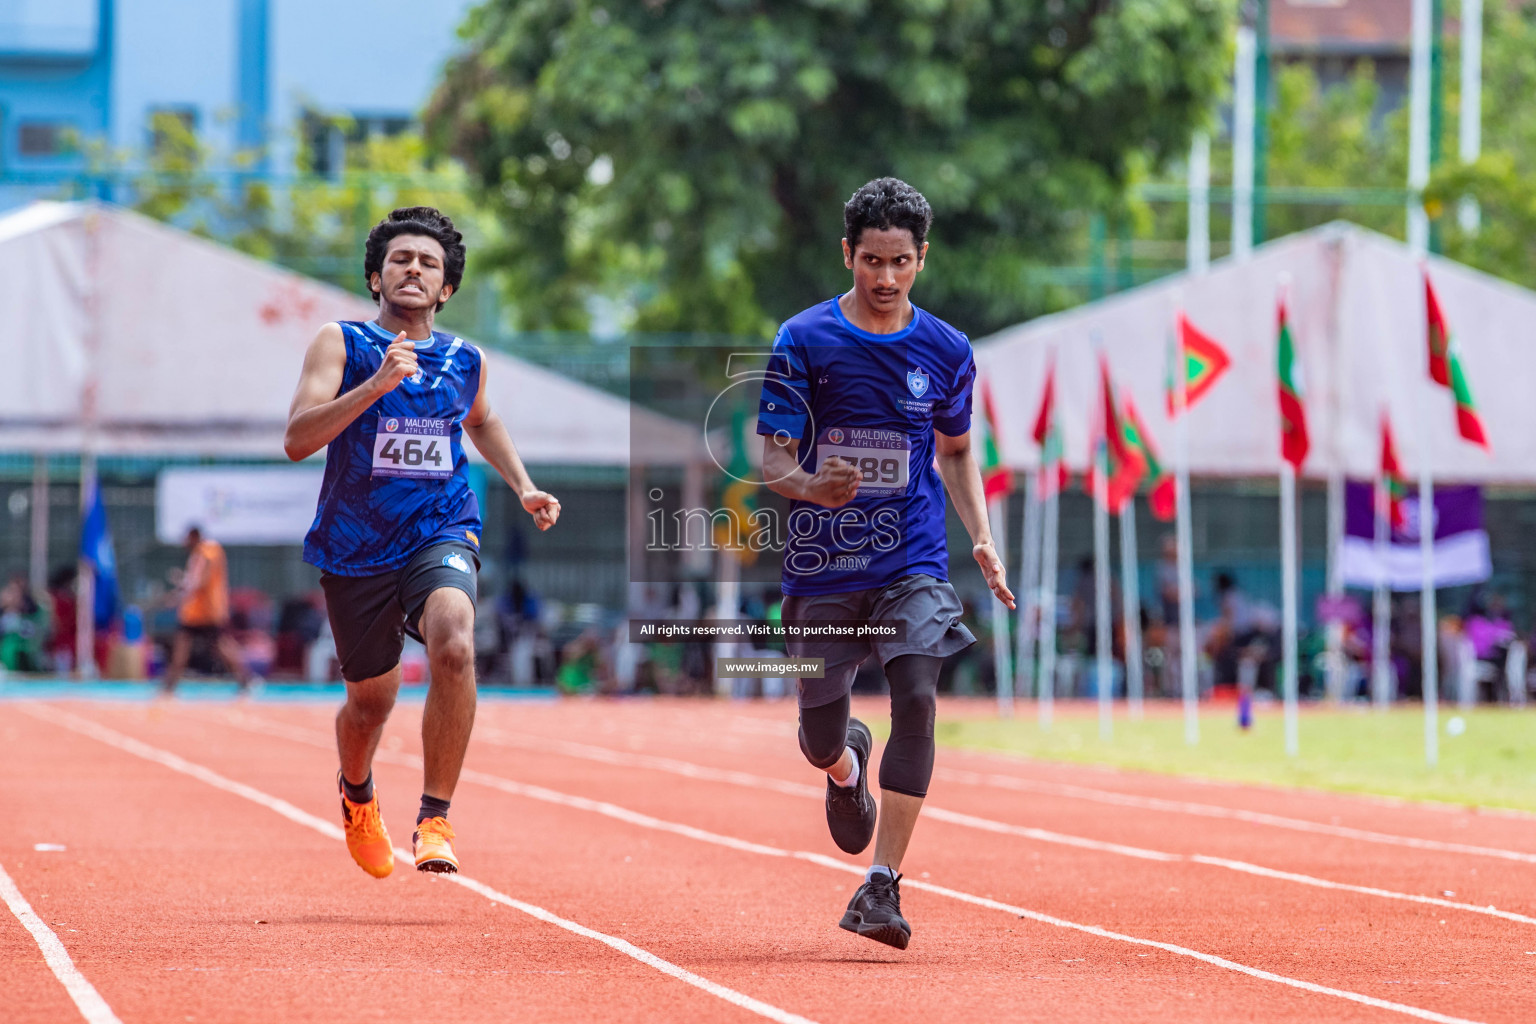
x,y
1489,762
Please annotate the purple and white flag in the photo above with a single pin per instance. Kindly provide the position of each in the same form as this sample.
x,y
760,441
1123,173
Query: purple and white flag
x,y
1461,543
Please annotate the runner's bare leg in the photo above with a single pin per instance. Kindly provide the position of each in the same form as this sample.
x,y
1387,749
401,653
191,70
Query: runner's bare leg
x,y
360,723
448,624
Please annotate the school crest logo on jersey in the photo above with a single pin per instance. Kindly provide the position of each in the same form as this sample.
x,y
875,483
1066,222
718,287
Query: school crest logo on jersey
x,y
917,382
456,561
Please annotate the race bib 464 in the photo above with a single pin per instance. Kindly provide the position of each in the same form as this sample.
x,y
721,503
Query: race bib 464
x,y
405,446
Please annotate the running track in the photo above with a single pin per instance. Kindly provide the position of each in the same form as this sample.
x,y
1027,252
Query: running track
x,y
667,861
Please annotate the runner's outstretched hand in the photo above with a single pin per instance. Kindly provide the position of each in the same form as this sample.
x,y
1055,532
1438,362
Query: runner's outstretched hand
x,y
992,569
399,363
835,484
544,507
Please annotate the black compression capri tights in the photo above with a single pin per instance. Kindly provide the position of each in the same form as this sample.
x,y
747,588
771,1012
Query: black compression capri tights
x,y
907,766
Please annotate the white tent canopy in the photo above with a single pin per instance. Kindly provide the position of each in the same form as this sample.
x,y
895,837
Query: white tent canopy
x,y
195,349
1358,321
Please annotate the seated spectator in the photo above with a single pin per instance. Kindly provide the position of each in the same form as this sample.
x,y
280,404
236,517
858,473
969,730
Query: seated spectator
x,y
23,628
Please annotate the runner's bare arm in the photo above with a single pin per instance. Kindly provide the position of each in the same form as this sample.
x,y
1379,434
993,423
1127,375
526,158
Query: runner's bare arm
x,y
491,439
835,482
962,479
318,413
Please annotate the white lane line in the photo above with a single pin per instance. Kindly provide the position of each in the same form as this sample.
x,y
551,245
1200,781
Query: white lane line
x,y
625,759
1152,803
92,1007
310,737
113,738
687,769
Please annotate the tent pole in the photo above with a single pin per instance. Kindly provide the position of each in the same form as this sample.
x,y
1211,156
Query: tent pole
x,y
1130,593
1049,549
37,575
1028,590
997,517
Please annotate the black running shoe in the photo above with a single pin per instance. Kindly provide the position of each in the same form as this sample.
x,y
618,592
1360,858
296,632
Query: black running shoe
x,y
850,809
875,912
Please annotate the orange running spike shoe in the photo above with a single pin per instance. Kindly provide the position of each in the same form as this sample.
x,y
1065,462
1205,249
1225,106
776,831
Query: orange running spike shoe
x,y
433,843
367,838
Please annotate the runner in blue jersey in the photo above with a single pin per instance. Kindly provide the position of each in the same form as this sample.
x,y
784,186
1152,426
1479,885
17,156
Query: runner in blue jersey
x,y
397,533
866,412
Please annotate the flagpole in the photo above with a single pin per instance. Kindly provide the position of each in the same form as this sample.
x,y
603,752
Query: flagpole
x,y
997,518
1130,593
1418,241
1288,599
1103,667
1381,599
1050,538
1029,590
1429,635
1189,684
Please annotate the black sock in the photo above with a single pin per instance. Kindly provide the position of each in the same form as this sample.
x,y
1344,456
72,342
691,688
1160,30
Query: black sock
x,y
431,807
361,793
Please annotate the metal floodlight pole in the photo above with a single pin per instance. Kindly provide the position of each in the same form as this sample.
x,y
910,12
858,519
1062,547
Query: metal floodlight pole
x,y
1243,142
1198,241
1471,128
1261,118
1419,77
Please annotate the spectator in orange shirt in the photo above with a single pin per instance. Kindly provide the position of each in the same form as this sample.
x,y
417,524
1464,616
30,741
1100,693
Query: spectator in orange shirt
x,y
203,615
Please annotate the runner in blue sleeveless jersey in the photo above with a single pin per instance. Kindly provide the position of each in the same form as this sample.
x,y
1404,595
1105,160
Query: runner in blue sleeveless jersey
x,y
397,532
866,412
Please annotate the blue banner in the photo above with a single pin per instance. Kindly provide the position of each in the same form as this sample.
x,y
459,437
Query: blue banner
x,y
96,548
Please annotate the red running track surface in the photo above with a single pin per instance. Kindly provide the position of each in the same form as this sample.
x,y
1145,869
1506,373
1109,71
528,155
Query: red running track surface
x,y
201,880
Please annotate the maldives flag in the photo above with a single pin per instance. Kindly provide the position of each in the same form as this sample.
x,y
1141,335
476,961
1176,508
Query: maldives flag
x,y
996,478
1293,414
1162,481
1446,370
1126,466
1053,470
1200,359
1392,474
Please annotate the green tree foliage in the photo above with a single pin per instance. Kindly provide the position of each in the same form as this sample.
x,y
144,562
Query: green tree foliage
x,y
706,148
1504,239
310,223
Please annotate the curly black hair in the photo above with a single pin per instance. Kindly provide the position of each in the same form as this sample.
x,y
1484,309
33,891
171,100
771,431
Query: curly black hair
x,y
415,220
883,204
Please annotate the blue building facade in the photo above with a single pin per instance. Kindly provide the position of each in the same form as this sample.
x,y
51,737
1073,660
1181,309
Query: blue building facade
x,y
83,82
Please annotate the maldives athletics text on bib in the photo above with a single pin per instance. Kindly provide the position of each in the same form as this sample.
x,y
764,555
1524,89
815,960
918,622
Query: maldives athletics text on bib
x,y
407,446
882,457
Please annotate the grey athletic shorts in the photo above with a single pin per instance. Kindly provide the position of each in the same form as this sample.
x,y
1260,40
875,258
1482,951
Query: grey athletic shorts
x,y
370,615
929,607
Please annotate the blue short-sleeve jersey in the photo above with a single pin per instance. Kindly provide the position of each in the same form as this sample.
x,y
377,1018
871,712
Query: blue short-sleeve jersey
x,y
874,400
396,478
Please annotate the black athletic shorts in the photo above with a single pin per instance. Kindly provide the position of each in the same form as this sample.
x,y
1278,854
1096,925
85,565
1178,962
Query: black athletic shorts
x,y
370,615
928,607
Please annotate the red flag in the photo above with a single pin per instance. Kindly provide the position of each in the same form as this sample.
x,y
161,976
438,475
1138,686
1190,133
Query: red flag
x,y
1141,440
1392,474
1438,336
1203,362
1047,403
996,478
1126,464
1294,442
1446,370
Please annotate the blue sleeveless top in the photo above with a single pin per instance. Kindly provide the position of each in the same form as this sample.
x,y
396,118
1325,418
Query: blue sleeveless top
x,y
395,478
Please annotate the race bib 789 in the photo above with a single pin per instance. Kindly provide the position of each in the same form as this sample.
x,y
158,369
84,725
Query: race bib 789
x,y
406,446
880,456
